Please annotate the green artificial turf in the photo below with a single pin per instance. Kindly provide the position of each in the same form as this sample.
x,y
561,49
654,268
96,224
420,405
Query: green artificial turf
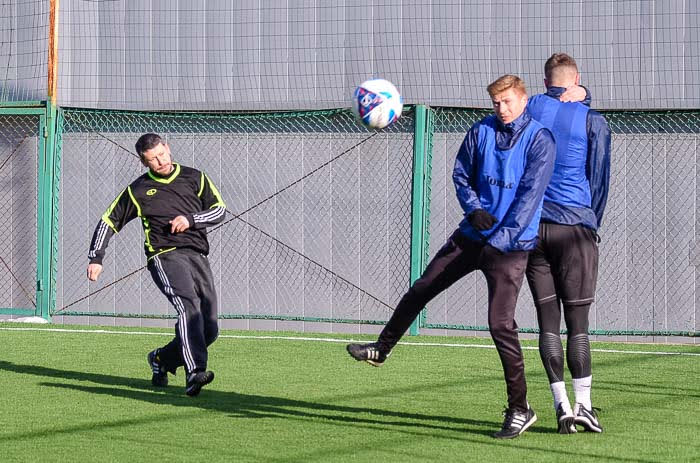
x,y
86,396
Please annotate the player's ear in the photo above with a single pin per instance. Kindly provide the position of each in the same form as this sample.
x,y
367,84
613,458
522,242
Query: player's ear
x,y
578,78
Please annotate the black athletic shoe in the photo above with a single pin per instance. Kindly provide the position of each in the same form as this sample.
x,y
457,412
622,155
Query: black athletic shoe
x,y
587,418
565,421
515,423
160,375
197,380
370,353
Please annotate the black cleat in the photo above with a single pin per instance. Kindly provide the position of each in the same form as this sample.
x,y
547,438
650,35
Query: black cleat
x,y
370,353
160,375
587,418
515,423
197,380
565,421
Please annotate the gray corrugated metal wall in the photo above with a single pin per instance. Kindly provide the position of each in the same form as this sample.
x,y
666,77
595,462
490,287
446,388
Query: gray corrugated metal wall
x,y
23,50
306,54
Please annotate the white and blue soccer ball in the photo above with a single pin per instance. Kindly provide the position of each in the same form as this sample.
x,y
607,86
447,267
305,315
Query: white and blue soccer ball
x,y
377,103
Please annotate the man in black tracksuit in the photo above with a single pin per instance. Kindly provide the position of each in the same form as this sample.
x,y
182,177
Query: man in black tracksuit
x,y
175,204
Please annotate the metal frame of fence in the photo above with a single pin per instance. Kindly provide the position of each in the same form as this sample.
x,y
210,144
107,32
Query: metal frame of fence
x,y
46,190
49,166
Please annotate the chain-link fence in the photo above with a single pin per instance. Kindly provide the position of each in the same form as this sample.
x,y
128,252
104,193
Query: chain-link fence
x,y
319,218
649,254
19,154
319,213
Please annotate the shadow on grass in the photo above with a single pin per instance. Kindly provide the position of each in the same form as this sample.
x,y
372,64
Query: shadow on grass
x,y
250,405
649,389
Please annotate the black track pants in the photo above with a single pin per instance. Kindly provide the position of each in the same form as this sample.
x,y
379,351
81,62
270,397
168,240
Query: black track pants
x,y
185,277
504,275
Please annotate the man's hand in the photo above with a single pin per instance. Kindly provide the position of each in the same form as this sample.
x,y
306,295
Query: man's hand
x,y
573,94
93,271
179,224
481,220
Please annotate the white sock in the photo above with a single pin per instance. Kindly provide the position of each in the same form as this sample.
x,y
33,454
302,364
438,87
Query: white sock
x,y
559,395
582,391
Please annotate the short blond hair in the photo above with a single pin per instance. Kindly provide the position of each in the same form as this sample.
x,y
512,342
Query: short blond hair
x,y
506,82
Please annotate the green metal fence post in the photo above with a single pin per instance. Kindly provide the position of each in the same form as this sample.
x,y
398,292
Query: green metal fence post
x,y
56,145
419,201
40,208
427,193
45,288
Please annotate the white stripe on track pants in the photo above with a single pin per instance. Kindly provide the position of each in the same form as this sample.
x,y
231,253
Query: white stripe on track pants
x,y
185,277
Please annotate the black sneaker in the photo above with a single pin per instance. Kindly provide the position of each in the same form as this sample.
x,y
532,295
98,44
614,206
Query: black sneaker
x,y
160,375
515,423
370,353
587,418
197,380
565,421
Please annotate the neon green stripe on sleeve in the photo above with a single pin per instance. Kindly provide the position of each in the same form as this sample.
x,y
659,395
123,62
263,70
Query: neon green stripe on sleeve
x,y
108,212
219,199
133,200
201,184
144,220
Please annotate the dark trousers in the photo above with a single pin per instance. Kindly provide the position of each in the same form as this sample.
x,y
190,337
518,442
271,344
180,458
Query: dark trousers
x,y
504,275
185,277
563,271
564,265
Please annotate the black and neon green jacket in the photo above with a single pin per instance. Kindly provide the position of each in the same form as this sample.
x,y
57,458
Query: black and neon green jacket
x,y
156,201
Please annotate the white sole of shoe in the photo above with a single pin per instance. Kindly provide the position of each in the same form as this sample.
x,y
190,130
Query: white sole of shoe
x,y
588,425
528,424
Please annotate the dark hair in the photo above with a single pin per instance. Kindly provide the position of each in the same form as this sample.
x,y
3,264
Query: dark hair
x,y
558,60
146,142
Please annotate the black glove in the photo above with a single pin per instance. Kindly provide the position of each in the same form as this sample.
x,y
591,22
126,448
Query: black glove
x,y
481,220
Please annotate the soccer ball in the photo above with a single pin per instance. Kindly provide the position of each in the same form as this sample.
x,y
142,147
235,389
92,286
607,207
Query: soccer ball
x,y
377,103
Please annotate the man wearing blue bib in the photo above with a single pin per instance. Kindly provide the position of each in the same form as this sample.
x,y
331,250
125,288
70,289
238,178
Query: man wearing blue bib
x,y
502,169
563,269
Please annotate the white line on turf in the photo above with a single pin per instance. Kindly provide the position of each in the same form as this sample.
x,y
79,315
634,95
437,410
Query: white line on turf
x,y
336,340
